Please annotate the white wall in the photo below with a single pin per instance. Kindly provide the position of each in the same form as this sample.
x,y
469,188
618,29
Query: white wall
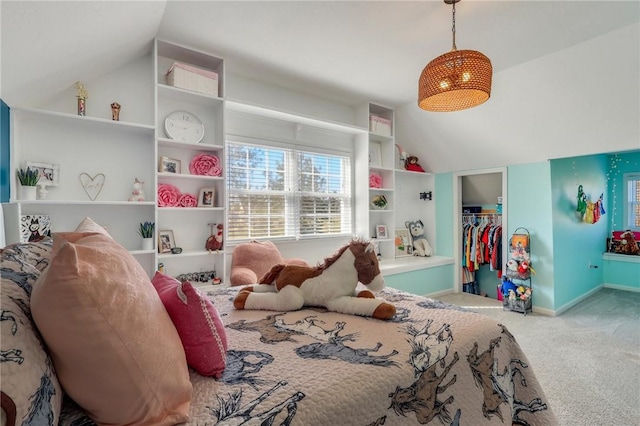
x,y
243,89
578,101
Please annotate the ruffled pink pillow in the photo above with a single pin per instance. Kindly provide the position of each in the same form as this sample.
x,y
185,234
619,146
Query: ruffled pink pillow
x,y
187,200
205,165
198,323
168,195
375,180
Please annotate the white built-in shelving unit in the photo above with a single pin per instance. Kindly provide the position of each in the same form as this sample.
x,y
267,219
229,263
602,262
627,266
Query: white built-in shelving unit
x,y
400,187
132,148
191,226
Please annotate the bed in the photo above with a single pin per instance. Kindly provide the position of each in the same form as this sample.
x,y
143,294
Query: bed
x,y
432,363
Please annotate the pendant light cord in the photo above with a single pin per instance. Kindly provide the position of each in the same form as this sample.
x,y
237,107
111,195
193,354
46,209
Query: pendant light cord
x,y
453,25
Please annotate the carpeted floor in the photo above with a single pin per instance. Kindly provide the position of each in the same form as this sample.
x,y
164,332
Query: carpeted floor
x,y
587,359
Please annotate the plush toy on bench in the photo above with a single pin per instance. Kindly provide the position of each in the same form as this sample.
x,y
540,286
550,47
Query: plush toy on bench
x,y
331,284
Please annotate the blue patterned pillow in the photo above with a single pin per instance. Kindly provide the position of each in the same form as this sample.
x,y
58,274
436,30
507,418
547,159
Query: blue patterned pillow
x,y
31,393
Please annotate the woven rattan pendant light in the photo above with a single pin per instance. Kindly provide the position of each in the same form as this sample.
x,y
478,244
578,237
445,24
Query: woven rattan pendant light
x,y
457,80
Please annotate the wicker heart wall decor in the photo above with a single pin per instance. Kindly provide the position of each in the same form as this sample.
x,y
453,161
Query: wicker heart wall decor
x,y
92,185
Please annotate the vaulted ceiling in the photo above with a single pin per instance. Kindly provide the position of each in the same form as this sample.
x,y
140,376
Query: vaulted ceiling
x,y
349,51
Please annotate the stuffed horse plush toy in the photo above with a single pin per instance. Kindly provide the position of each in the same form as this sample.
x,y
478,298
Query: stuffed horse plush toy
x,y
331,284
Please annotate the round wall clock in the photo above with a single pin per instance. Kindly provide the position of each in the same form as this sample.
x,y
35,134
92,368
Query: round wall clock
x,y
183,126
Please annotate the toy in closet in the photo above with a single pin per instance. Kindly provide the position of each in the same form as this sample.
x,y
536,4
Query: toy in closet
x,y
481,245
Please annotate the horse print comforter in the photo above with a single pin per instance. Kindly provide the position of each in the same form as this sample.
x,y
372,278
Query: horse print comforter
x,y
432,363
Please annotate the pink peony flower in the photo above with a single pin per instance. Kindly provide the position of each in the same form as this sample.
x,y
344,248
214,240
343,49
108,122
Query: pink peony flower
x,y
187,200
168,195
375,180
205,165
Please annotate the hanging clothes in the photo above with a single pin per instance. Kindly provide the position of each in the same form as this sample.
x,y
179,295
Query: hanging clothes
x,y
481,245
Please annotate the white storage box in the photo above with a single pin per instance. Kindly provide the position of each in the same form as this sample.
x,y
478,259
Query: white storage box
x,y
192,78
380,126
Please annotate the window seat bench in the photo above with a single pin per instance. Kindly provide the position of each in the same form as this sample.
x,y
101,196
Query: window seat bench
x,y
419,275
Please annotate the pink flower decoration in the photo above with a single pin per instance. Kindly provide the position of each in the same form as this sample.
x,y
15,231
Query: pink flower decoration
x,y
375,180
205,165
187,200
168,195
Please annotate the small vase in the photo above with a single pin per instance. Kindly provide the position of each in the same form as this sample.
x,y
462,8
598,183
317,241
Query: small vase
x,y
27,192
147,244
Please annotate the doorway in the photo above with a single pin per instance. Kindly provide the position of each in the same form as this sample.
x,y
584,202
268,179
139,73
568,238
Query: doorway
x,y
463,187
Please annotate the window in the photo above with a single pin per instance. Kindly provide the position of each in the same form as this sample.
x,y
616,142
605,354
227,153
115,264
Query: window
x,y
631,200
287,192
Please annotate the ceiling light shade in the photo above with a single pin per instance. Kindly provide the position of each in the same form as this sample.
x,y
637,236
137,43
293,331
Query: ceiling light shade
x,y
457,80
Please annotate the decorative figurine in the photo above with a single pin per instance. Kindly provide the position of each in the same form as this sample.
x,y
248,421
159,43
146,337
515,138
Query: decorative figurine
x,y
82,96
115,111
138,191
214,242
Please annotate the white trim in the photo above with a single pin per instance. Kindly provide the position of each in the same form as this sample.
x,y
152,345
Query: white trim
x,y
437,294
412,263
2,239
622,287
616,257
574,302
457,215
626,194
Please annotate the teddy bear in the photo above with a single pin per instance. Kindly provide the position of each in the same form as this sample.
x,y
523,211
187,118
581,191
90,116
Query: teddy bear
x,y
411,164
421,246
628,243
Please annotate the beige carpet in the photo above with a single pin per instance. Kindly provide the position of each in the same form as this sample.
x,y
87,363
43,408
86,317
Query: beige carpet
x,y
587,359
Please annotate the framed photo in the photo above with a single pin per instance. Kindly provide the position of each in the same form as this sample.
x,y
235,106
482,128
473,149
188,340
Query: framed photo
x,y
34,227
49,173
166,241
403,243
375,154
170,165
381,232
207,197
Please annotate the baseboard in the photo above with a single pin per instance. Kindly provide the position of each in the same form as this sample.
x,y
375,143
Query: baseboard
x,y
622,287
439,293
544,311
574,302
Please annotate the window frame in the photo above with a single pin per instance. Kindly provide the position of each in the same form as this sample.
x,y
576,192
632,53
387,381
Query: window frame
x,y
295,147
628,205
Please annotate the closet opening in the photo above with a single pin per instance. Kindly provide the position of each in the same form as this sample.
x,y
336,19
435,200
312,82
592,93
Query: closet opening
x,y
480,230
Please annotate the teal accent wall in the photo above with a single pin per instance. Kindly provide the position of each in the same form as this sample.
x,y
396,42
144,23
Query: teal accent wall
x,y
577,244
4,152
443,197
542,197
488,281
530,207
423,281
618,165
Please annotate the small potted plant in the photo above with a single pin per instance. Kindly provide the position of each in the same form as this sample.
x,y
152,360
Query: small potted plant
x,y
28,180
145,230
379,202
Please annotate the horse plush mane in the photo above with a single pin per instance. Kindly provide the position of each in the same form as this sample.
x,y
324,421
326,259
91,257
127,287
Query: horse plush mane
x,y
331,284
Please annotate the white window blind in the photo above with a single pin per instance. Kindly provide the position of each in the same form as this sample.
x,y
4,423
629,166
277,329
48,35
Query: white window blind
x,y
286,192
632,200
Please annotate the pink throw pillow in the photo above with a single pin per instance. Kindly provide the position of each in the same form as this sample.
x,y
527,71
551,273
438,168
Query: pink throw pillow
x,y
198,323
114,347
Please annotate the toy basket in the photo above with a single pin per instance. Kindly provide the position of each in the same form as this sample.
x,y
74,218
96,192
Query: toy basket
x,y
519,251
520,277
522,306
